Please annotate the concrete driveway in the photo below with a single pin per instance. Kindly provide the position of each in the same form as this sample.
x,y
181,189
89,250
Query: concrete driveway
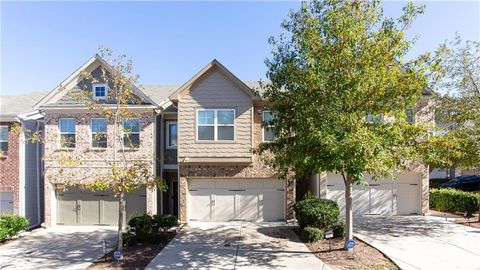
x,y
236,245
422,242
61,247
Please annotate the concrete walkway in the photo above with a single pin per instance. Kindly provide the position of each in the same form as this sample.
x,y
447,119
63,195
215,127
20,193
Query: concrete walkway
x,y
418,242
236,245
61,247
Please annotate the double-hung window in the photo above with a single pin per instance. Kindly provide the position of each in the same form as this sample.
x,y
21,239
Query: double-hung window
x,y
373,118
171,135
410,115
67,132
99,132
269,131
100,91
131,133
3,140
216,125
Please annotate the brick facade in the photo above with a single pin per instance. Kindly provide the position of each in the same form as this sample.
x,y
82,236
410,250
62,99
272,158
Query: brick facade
x,y
94,162
10,168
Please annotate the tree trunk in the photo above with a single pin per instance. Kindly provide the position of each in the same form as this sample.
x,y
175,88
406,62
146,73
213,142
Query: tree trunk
x,y
452,172
348,210
121,213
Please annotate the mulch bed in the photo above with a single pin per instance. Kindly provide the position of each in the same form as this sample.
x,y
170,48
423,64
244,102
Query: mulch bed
x,y
364,256
473,222
134,257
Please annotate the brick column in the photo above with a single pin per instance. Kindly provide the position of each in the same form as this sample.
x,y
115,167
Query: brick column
x,y
290,198
425,189
182,211
151,200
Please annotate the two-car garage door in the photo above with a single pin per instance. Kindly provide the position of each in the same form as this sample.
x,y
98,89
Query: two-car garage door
x,y
236,199
82,207
383,197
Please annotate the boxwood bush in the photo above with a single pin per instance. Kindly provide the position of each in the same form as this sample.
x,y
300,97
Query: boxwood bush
x,y
311,234
146,228
11,225
452,200
315,212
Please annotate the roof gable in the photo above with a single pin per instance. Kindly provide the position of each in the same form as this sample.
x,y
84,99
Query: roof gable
x,y
214,65
66,93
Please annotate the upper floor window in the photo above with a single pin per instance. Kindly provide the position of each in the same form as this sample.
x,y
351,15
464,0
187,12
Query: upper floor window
x,y
67,132
171,139
216,124
268,128
373,118
410,115
131,133
98,127
100,91
3,140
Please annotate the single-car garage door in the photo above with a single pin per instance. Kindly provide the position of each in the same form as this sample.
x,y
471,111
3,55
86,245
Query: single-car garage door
x,y
382,197
82,207
236,199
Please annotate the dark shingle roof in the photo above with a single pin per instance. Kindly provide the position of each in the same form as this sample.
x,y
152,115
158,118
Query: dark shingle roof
x,y
20,104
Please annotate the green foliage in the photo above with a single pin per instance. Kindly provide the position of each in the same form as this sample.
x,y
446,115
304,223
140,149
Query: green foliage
x,y
143,226
158,238
166,222
311,234
129,239
315,212
11,225
339,229
458,79
451,200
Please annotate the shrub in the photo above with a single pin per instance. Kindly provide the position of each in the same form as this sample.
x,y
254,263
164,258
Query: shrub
x,y
311,234
339,230
158,238
452,200
143,226
167,221
11,225
129,239
315,212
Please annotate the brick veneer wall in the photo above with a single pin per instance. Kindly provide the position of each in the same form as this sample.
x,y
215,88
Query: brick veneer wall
x,y
254,170
9,168
94,161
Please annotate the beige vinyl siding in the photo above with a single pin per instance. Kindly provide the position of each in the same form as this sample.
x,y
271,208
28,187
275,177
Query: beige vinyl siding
x,y
214,91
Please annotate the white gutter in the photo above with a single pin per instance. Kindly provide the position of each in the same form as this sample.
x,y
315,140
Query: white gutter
x,y
21,173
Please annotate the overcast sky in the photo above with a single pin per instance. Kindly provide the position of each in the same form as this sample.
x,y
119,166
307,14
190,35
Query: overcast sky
x,y
43,43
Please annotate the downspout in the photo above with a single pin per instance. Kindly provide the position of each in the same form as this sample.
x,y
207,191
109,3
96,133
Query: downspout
x,y
38,161
21,171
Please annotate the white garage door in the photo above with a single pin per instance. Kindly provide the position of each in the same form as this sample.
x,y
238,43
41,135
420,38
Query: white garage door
x,y
382,197
236,199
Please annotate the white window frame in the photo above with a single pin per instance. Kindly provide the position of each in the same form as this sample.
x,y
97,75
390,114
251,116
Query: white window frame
x,y
95,85
413,115
92,133
263,125
167,135
60,132
215,125
132,132
8,135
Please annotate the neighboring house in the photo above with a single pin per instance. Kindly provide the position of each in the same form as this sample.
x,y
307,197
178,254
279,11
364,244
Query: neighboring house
x,y
406,194
21,174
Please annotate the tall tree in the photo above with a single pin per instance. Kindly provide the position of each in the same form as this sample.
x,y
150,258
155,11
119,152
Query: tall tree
x,y
339,88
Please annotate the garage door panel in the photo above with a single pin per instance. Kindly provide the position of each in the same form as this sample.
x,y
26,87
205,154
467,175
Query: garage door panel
x,y
408,202
90,210
110,211
273,203
361,200
67,209
246,205
381,198
224,205
227,184
201,200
